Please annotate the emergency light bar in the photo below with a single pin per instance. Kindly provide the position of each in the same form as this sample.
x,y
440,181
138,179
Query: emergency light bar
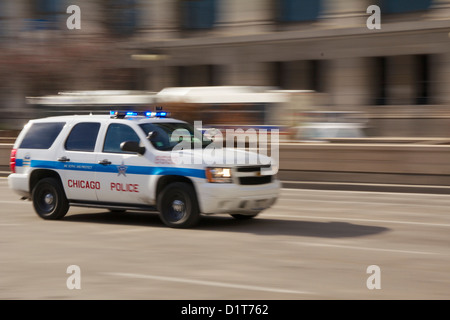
x,y
147,114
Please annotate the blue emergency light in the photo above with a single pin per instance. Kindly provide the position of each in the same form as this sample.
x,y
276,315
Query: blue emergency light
x,y
147,114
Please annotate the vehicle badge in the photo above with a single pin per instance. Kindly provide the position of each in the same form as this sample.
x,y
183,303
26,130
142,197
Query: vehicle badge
x,y
122,169
26,160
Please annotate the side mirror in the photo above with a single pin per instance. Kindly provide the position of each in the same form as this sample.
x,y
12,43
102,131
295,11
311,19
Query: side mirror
x,y
132,146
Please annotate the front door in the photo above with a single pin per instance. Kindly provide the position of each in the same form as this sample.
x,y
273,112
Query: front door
x,y
124,174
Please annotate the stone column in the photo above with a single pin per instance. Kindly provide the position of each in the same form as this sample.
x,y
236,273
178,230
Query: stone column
x,y
160,18
345,13
349,83
247,74
236,17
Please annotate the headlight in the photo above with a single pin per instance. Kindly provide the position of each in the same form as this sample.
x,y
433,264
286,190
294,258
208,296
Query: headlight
x,y
222,175
275,170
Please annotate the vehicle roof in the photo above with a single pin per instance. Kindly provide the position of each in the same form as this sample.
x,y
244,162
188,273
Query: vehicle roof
x,y
106,118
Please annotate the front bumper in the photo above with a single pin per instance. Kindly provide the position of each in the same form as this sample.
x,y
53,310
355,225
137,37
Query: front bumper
x,y
232,198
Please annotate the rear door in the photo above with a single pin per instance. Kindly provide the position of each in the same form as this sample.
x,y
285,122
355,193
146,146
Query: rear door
x,y
78,161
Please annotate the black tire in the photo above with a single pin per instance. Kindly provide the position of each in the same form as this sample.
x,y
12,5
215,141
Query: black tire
x,y
49,199
178,206
238,216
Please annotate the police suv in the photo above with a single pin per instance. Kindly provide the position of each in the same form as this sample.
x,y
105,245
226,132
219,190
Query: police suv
x,y
125,161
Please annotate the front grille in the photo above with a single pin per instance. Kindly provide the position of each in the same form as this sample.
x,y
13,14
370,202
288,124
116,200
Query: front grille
x,y
252,168
255,180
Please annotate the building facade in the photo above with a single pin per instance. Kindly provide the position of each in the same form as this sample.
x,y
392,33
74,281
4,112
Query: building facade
x,y
399,75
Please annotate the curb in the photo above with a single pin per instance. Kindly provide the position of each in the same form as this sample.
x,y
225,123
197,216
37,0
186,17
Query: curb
x,y
367,187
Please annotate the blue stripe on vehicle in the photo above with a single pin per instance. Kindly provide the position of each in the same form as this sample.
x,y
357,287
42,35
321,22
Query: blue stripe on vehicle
x,y
19,162
92,167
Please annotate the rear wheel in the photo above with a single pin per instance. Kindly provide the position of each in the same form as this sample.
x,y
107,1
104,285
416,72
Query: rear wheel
x,y
49,199
178,205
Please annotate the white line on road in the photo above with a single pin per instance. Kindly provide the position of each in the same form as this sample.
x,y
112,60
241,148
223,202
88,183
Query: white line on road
x,y
362,248
351,219
206,283
122,231
14,202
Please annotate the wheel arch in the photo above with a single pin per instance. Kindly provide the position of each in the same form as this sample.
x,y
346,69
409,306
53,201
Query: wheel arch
x,y
39,174
166,180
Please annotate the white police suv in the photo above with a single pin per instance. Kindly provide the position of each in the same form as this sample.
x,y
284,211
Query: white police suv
x,y
128,161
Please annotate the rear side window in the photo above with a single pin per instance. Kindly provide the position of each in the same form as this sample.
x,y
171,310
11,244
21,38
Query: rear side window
x,y
41,135
83,137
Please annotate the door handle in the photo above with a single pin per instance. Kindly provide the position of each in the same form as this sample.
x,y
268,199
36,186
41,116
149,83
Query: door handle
x,y
63,159
104,162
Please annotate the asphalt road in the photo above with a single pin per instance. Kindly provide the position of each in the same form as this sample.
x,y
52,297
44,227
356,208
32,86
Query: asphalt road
x,y
312,245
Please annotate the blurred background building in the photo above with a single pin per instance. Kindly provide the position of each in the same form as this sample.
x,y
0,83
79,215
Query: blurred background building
x,y
398,75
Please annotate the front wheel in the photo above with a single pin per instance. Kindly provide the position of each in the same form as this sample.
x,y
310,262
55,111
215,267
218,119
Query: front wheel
x,y
49,199
178,205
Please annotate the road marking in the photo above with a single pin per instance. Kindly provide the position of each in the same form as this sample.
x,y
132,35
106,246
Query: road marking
x,y
351,219
363,248
122,231
15,202
206,283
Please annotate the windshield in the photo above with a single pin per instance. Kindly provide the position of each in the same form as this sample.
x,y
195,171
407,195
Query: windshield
x,y
165,136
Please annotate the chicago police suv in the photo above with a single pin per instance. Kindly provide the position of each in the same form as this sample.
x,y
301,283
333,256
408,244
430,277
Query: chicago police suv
x,y
123,161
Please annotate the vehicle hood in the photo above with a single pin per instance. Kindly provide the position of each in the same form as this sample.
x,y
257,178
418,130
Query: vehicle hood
x,y
225,157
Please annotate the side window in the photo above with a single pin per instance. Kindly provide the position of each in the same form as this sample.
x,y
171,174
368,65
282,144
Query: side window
x,y
83,137
116,134
41,135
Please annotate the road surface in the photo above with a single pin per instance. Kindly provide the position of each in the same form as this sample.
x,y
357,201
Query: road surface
x,y
312,245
